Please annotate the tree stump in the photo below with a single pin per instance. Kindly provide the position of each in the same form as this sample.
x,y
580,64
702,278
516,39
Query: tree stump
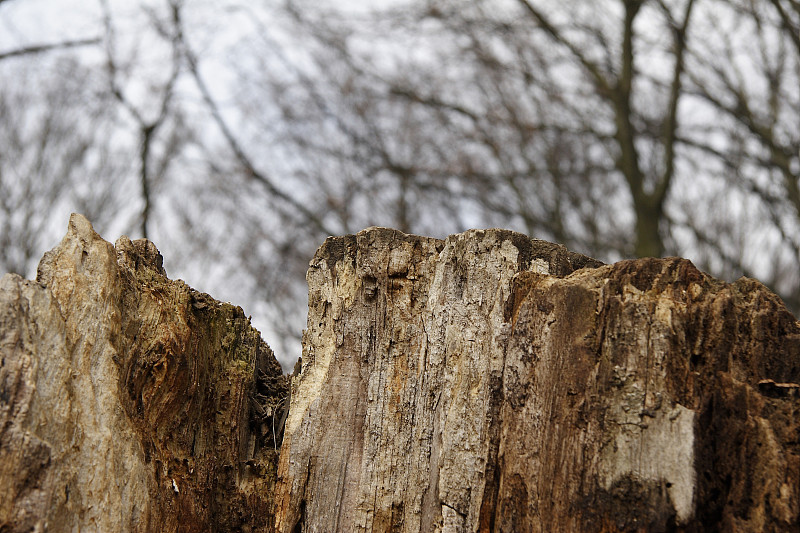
x,y
130,402
486,382
490,382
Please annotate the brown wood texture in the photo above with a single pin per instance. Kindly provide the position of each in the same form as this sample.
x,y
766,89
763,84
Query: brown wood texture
x,y
488,382
485,382
130,402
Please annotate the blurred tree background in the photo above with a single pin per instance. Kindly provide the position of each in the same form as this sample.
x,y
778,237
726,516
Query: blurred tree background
x,y
239,135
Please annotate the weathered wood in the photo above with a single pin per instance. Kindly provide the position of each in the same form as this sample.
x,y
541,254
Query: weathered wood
x,y
127,400
489,383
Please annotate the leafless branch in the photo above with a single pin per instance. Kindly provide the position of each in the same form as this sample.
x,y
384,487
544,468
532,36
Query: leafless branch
x,y
312,218
42,48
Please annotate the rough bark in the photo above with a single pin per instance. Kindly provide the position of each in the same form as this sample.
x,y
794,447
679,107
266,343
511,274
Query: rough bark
x,y
490,382
130,402
487,382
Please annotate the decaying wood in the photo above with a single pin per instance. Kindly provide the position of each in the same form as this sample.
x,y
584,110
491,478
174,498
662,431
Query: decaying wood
x,y
127,400
486,382
489,382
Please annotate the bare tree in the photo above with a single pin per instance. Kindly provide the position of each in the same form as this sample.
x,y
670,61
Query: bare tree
x,y
618,127
56,155
155,110
579,123
573,122
58,144
540,126
753,84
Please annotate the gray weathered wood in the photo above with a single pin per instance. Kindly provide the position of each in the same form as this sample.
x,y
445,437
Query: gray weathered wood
x,y
489,383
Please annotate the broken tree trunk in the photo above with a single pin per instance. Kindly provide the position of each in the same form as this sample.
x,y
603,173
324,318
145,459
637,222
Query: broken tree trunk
x,y
487,382
490,382
129,402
